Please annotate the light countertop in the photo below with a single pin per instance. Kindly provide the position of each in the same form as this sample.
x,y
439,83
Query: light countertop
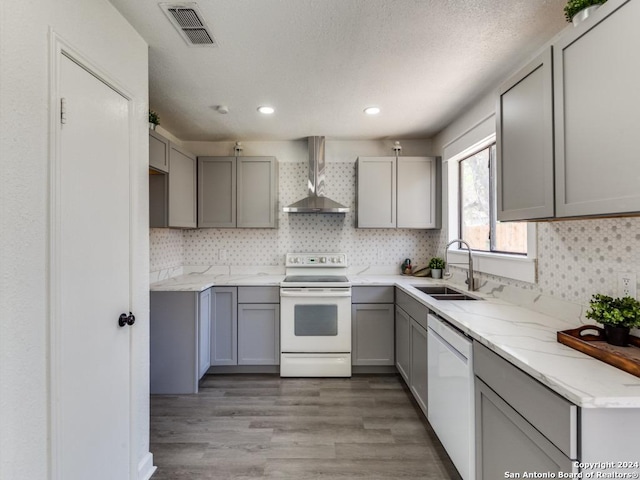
x,y
524,337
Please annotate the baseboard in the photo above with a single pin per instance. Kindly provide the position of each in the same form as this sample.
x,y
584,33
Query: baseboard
x,y
244,369
373,369
146,467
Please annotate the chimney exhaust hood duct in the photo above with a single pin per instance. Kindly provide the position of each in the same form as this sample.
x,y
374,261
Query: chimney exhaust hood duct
x,y
316,202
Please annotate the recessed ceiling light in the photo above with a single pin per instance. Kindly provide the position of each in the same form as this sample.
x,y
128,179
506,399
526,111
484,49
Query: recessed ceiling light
x,y
372,110
266,110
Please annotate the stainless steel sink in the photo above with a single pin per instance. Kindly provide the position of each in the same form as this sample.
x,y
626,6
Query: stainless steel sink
x,y
443,292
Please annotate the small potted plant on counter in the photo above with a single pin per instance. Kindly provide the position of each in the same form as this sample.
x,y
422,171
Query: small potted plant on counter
x,y
577,11
618,315
436,264
154,119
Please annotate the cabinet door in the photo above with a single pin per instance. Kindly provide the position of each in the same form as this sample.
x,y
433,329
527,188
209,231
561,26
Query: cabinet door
x,y
258,334
376,192
182,188
524,142
173,342
158,199
418,358
158,152
257,191
372,334
204,332
403,344
217,192
506,442
596,105
417,187
224,326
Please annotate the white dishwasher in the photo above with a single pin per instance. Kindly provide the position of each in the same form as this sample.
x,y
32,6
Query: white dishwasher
x,y
451,393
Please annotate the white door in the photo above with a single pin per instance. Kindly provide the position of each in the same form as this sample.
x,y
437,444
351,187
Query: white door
x,y
91,281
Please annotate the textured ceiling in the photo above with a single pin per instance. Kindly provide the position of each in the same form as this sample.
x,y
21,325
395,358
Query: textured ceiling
x,y
321,62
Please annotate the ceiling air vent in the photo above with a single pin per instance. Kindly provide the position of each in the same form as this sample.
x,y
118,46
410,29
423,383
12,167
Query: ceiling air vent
x,y
188,20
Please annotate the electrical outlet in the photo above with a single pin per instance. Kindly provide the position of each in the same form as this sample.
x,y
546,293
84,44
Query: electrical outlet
x,y
222,255
627,284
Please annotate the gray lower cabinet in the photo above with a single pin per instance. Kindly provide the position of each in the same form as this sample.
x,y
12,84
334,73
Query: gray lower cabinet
x,y
224,327
237,192
179,329
418,367
403,344
411,346
521,425
524,142
372,326
246,326
258,334
206,309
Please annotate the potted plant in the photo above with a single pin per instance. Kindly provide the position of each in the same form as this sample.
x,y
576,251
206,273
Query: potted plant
x,y
154,119
436,264
617,315
577,11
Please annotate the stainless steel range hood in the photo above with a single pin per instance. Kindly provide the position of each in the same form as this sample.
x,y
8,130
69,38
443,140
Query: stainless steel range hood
x,y
316,202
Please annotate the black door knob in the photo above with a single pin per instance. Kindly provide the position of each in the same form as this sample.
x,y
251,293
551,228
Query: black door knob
x,y
125,319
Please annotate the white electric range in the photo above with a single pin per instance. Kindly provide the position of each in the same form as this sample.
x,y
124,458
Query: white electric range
x,y
315,316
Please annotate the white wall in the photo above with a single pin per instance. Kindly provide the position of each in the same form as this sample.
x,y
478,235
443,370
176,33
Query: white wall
x,y
99,32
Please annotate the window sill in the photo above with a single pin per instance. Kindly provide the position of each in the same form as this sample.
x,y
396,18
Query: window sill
x,y
515,267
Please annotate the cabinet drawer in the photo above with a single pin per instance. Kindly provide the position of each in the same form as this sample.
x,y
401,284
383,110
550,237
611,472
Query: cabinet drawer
x,y
413,307
258,295
549,413
372,295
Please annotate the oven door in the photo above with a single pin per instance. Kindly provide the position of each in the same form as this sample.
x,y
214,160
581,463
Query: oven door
x,y
315,320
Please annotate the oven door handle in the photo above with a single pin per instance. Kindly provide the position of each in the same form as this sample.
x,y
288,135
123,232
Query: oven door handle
x,y
310,292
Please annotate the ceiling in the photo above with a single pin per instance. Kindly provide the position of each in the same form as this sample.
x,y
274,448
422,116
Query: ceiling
x,y
319,63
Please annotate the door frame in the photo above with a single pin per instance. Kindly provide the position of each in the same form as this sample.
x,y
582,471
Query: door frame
x,y
61,47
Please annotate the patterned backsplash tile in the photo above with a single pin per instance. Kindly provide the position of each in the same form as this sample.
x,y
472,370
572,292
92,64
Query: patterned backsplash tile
x,y
308,232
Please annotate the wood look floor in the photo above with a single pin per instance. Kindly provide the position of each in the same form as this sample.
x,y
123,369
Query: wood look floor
x,y
263,426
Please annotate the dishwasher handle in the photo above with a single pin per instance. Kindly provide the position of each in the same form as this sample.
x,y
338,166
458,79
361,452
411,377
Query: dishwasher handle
x,y
456,340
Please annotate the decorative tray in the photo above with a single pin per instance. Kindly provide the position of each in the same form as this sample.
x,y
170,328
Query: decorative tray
x,y
625,358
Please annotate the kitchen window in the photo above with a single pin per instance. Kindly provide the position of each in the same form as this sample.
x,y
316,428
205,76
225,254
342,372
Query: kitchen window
x,y
505,249
477,204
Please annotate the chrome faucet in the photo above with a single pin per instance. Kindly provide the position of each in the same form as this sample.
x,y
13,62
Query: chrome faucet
x,y
470,280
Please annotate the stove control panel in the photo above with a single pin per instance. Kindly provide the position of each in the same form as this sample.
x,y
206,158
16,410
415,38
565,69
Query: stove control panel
x,y
320,259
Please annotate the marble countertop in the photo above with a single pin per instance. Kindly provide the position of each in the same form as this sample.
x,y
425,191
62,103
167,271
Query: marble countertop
x,y
523,336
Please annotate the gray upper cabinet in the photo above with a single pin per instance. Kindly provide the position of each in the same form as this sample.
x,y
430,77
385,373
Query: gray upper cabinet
x,y
402,193
418,192
237,192
524,141
376,192
172,196
216,192
158,152
182,188
597,101
257,192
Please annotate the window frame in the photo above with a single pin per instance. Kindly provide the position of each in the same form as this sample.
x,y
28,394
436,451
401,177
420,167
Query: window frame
x,y
513,266
493,201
